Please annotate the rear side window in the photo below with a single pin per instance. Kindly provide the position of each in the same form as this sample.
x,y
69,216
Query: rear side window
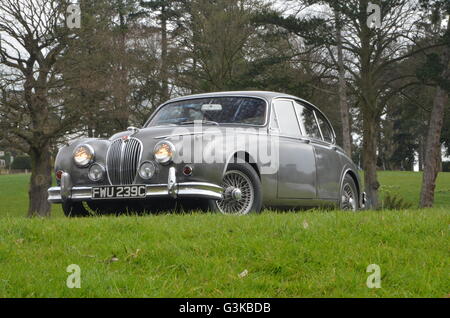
x,y
327,132
308,121
287,121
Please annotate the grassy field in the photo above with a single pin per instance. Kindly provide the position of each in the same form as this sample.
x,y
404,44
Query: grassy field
x,y
307,254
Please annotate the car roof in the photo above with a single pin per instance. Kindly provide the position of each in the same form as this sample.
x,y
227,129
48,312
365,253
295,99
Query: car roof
x,y
261,94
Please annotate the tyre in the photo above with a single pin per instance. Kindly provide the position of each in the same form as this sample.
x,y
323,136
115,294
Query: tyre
x,y
74,209
349,195
242,191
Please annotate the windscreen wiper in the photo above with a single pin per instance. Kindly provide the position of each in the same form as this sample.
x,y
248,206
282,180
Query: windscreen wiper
x,y
203,122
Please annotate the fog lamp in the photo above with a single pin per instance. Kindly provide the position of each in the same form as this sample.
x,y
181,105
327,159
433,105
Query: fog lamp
x,y
147,170
96,172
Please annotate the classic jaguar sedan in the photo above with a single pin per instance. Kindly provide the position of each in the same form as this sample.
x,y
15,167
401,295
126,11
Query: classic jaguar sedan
x,y
230,152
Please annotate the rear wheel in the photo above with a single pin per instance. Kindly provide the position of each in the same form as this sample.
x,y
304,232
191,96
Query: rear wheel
x,y
349,195
242,191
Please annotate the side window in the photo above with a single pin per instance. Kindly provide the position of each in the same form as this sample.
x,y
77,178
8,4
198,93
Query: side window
x,y
308,121
287,121
327,132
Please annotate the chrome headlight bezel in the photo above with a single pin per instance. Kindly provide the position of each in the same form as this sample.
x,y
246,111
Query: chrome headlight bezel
x,y
87,161
171,153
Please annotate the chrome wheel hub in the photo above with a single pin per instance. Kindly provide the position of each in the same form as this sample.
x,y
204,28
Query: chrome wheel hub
x,y
238,195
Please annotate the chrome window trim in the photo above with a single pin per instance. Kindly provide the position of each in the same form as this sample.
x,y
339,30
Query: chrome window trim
x,y
318,125
333,138
305,103
296,116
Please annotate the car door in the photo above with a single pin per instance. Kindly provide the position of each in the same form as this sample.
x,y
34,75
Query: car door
x,y
328,165
297,171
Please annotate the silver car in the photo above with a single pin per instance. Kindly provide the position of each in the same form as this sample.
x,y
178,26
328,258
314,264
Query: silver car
x,y
230,152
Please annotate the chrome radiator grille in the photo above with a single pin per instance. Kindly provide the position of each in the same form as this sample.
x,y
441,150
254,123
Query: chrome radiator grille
x,y
122,160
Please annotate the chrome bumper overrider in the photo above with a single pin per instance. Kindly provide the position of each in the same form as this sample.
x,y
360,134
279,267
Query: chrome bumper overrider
x,y
363,200
172,189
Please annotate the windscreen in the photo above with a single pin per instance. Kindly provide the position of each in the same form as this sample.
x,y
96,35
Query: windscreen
x,y
218,110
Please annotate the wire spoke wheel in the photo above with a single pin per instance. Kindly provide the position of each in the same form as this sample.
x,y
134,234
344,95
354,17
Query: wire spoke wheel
x,y
239,193
348,198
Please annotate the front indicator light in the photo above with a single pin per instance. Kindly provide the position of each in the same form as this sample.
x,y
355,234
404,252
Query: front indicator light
x,y
59,175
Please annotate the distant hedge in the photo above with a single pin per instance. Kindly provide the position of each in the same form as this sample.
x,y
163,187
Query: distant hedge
x,y
446,166
21,163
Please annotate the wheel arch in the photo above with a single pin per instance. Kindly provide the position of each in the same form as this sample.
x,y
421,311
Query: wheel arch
x,y
355,178
237,156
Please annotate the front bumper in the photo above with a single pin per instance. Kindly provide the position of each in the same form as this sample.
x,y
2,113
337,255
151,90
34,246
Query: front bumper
x,y
202,190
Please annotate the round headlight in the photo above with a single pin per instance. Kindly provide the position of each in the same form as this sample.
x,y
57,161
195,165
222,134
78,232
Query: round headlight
x,y
147,170
96,172
164,152
83,155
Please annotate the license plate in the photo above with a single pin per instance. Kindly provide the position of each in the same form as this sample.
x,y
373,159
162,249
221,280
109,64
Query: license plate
x,y
119,192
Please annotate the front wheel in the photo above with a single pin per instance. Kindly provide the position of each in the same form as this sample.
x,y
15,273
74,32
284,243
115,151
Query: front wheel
x,y
74,209
349,195
242,191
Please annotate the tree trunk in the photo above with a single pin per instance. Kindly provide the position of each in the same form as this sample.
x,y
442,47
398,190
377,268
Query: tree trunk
x,y
433,149
123,73
433,145
164,53
343,105
371,183
41,180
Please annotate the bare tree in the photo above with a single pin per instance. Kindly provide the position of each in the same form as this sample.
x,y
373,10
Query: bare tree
x,y
34,37
375,52
432,163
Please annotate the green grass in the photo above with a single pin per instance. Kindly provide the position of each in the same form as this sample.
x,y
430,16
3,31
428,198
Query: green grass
x,y
14,196
306,254
312,254
407,185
